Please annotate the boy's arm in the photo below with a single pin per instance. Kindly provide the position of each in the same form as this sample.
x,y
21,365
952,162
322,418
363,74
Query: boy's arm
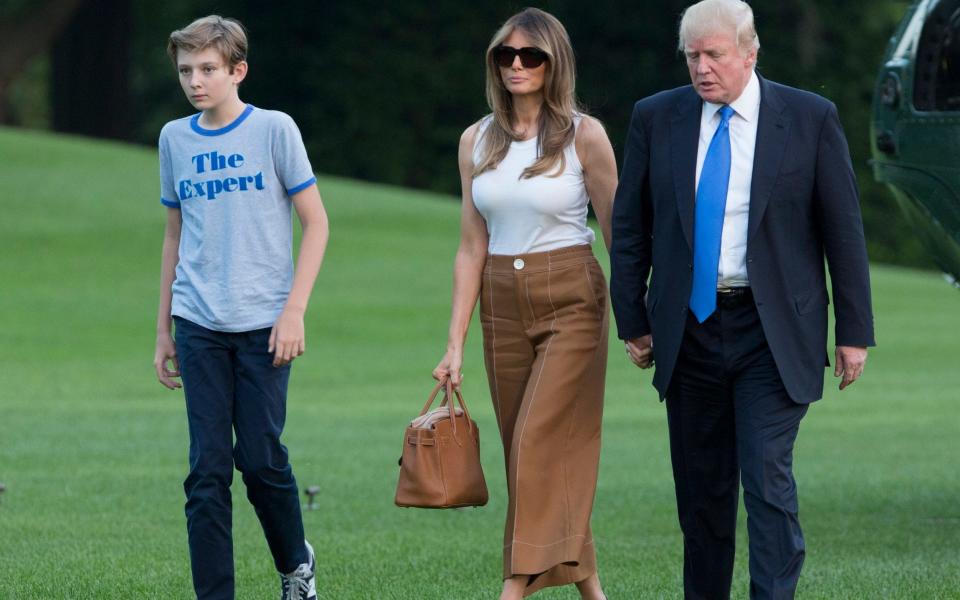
x,y
287,339
166,351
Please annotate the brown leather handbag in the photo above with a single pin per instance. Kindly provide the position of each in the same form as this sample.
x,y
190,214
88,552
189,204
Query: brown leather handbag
x,y
440,465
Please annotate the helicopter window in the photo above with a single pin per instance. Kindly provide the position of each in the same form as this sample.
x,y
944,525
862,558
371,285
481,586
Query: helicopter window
x,y
937,85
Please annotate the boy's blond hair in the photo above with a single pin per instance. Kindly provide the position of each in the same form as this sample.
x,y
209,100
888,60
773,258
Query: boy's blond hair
x,y
225,35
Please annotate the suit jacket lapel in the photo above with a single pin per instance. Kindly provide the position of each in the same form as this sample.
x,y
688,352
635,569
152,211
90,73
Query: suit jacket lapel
x,y
684,137
773,129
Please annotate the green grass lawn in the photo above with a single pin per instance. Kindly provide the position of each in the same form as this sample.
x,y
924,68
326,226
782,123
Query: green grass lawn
x,y
93,449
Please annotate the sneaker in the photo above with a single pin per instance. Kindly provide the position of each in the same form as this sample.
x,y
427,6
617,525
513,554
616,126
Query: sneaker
x,y
301,584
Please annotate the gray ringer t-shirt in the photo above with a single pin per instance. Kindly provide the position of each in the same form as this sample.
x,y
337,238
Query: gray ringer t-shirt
x,y
233,187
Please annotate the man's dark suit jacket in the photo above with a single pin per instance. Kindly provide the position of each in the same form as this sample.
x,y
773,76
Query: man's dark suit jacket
x,y
804,205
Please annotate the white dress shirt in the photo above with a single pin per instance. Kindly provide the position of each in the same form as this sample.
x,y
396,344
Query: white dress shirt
x,y
732,271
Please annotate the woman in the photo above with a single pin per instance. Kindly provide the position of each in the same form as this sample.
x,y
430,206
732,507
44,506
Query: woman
x,y
528,171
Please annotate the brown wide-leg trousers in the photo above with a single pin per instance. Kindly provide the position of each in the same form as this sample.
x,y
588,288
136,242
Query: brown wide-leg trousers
x,y
545,320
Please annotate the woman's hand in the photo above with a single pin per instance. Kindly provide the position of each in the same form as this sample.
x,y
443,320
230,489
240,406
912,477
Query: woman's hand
x,y
287,339
165,354
450,366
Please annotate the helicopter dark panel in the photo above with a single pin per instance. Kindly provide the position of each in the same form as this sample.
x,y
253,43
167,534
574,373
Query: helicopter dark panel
x,y
916,126
938,61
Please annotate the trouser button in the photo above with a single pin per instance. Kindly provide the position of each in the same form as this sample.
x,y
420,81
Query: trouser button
x,y
518,264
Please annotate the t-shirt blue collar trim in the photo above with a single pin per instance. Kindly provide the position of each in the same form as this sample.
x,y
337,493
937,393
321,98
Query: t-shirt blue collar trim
x,y
195,123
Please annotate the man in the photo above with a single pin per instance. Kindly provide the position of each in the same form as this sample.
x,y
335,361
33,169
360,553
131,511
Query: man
x,y
732,192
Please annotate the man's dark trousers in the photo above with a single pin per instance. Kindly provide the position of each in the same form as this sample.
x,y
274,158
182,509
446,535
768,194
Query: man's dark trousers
x,y
730,417
231,386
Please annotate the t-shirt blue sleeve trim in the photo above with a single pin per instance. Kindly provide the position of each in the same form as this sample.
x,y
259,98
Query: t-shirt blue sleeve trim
x,y
302,186
168,203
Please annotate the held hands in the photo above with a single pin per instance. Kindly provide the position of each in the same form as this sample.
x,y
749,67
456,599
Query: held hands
x,y
166,354
640,351
287,338
849,363
450,366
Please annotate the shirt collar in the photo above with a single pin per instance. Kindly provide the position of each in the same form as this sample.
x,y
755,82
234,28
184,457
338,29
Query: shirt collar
x,y
747,106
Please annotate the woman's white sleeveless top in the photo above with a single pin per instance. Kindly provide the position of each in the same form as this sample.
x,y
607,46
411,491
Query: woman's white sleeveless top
x,y
533,214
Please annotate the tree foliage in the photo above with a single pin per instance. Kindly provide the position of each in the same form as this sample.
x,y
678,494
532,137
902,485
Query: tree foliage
x,y
26,31
382,91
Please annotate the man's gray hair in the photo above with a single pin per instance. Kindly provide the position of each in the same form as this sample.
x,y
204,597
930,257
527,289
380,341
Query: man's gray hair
x,y
710,17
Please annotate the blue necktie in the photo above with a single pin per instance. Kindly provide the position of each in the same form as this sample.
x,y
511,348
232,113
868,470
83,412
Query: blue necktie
x,y
708,219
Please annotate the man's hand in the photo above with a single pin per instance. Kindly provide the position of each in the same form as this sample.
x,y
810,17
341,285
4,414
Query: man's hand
x,y
287,339
166,353
640,351
849,363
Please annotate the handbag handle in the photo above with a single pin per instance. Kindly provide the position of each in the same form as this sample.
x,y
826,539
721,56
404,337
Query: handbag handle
x,y
433,395
448,393
459,396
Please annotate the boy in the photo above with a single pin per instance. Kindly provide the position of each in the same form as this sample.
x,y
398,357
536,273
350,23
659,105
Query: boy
x,y
228,178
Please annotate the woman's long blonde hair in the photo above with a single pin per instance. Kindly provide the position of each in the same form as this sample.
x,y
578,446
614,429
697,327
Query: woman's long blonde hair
x,y
556,128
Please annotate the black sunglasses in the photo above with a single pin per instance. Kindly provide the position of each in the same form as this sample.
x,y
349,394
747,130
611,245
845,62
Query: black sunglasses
x,y
530,57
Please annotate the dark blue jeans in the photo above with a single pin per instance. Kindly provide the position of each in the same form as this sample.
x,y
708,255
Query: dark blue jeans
x,y
232,387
